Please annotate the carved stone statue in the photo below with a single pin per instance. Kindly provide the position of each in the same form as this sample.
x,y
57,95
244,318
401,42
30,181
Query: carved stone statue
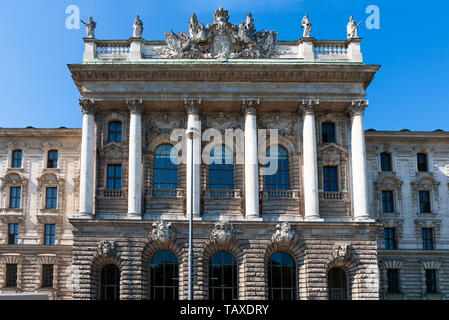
x,y
220,40
107,248
90,28
284,232
223,231
342,251
352,28
137,27
307,26
162,231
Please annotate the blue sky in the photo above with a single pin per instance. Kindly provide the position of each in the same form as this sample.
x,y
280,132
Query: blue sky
x,y
411,90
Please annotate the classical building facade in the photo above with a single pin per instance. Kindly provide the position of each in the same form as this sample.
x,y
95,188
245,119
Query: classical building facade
x,y
103,212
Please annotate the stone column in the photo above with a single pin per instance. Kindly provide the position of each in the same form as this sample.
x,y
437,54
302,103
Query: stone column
x,y
135,159
87,159
192,107
358,161
249,109
310,172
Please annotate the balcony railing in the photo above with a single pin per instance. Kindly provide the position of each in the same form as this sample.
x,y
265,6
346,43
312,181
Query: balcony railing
x,y
332,195
330,48
111,193
112,47
222,194
280,194
166,193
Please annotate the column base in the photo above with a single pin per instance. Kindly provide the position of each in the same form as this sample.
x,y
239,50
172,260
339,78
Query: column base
x,y
363,219
253,218
314,219
134,215
84,215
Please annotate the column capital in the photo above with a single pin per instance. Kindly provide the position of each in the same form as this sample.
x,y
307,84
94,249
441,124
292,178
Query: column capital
x,y
192,105
357,107
307,107
88,106
250,106
134,105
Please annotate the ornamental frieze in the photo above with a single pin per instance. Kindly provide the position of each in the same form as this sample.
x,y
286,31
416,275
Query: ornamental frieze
x,y
160,123
220,40
222,121
285,124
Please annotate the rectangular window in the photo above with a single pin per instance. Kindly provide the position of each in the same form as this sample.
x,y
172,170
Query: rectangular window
x,y
47,276
427,239
431,281
14,197
13,233
115,131
114,177
422,162
330,179
51,197
390,238
424,201
49,235
385,162
393,280
387,201
11,275
328,132
17,159
52,161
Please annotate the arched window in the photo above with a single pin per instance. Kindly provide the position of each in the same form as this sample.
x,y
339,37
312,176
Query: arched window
x,y
164,270
221,174
328,132
115,131
279,177
110,282
338,286
281,277
223,283
165,168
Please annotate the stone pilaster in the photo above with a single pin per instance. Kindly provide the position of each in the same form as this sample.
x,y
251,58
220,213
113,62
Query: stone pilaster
x,y
310,172
87,158
358,160
135,159
249,108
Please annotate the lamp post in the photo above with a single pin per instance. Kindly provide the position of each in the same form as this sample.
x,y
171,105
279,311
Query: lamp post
x,y
191,134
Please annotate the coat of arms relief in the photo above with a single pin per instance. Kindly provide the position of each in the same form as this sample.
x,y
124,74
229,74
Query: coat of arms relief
x,y
221,40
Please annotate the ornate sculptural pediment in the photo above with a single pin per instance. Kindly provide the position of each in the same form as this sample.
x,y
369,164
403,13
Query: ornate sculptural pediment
x,y
220,40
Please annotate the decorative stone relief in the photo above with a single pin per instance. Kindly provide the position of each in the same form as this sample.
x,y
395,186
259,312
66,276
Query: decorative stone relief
x,y
220,40
222,121
358,107
223,231
162,231
307,107
250,106
285,124
161,123
107,248
284,233
134,105
87,106
342,251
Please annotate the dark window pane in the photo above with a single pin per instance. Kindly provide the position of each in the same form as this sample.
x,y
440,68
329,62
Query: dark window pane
x,y
393,280
165,169
223,282
328,132
387,201
114,179
422,161
52,161
431,281
281,277
330,179
427,238
338,286
110,283
51,198
424,201
115,131
16,159
13,233
47,276
221,173
279,179
49,234
164,276
390,238
11,275
14,197
385,162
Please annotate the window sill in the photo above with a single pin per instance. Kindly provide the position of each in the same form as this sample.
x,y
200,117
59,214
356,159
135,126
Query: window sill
x,y
51,170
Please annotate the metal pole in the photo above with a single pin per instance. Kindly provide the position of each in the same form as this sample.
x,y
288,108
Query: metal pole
x,y
190,274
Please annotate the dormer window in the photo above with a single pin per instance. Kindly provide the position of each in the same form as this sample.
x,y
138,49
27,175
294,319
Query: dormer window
x,y
385,162
422,162
16,159
328,132
52,160
115,131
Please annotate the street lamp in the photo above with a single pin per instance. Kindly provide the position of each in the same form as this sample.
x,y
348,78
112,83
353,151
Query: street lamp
x,y
191,133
